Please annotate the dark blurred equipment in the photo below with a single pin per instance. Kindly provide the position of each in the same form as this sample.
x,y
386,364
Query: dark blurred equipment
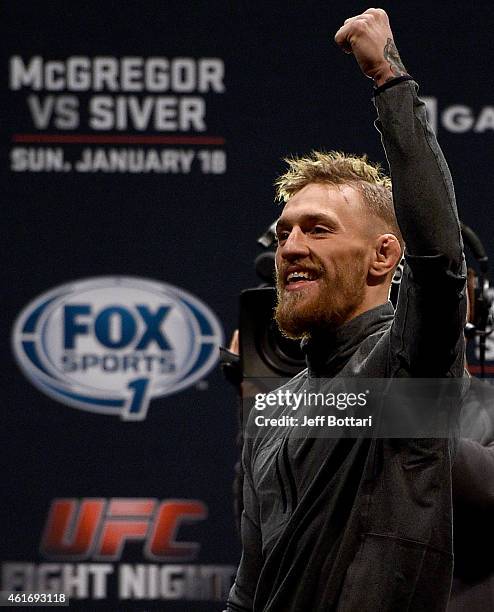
x,y
266,268
268,238
264,351
230,366
473,242
480,320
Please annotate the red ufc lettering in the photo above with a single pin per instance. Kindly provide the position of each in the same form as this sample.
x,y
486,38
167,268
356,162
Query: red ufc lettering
x,y
70,534
99,528
161,542
126,519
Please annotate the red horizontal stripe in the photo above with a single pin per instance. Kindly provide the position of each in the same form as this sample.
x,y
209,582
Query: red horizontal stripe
x,y
116,139
475,369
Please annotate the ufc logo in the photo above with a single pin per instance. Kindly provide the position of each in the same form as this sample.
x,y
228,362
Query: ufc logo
x,y
99,528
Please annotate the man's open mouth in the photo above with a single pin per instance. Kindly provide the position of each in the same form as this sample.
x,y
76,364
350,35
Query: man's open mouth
x,y
298,279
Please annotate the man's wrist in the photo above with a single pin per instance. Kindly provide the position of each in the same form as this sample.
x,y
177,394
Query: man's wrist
x,y
391,83
384,76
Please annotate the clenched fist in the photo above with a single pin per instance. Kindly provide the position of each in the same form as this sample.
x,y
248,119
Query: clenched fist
x,y
368,36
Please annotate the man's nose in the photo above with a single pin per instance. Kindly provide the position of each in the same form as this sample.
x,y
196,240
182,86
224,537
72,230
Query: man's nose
x,y
295,246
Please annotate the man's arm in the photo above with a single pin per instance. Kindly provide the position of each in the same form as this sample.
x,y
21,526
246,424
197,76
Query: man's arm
x,y
427,332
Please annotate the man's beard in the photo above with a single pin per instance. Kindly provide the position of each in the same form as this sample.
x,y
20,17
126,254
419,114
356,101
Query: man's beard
x,y
334,302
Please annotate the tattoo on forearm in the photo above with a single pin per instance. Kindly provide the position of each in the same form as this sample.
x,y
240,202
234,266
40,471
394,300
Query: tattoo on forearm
x,y
392,56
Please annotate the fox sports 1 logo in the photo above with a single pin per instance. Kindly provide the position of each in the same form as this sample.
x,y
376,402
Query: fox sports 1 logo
x,y
112,344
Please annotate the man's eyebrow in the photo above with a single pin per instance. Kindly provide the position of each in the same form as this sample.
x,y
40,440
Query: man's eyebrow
x,y
307,218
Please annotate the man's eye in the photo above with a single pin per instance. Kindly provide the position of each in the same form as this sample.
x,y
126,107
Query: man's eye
x,y
282,236
318,229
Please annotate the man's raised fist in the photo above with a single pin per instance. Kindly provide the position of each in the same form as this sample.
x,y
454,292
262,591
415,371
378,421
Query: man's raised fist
x,y
368,36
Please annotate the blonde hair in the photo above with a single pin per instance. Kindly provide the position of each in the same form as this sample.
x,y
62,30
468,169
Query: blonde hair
x,y
336,168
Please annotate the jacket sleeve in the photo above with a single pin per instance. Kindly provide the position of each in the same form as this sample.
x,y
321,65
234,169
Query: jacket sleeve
x,y
241,598
427,333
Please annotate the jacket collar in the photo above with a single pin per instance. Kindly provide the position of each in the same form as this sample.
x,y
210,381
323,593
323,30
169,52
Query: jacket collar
x,y
327,352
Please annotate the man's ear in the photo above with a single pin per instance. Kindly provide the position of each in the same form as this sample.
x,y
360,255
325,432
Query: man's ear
x,y
386,255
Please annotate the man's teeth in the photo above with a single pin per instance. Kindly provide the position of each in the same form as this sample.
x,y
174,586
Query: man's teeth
x,y
296,276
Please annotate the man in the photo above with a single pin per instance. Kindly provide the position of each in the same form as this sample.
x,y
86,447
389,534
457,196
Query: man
x,y
360,524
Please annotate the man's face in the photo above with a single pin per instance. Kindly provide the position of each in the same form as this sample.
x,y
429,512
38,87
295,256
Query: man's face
x,y
322,259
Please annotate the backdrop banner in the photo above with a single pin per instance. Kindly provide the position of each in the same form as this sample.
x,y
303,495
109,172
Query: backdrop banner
x,y
140,142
